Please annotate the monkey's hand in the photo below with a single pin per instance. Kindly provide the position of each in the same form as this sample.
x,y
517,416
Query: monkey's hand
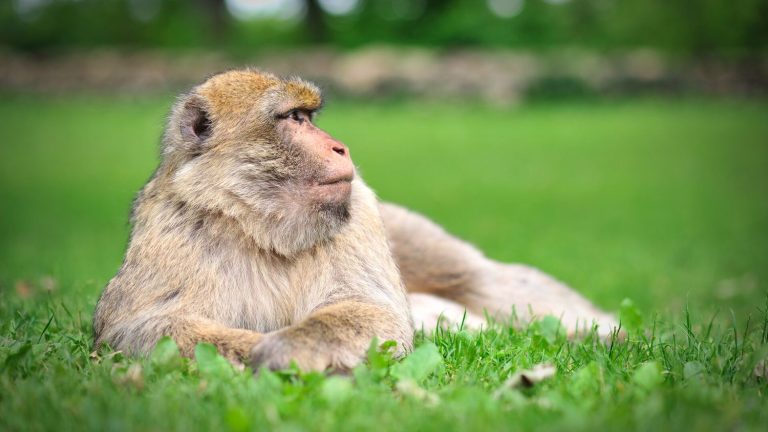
x,y
280,349
333,338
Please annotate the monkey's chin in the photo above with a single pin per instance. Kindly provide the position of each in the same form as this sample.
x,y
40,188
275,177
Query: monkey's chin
x,y
337,193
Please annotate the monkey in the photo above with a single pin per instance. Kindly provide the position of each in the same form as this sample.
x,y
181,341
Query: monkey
x,y
257,234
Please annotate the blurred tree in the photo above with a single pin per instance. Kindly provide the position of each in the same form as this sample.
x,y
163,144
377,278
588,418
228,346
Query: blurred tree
x,y
687,27
315,23
218,18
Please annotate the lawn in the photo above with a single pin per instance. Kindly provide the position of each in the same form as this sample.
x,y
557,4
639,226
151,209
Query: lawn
x,y
664,203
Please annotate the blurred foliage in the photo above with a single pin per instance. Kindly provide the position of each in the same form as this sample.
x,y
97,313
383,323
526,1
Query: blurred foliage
x,y
688,27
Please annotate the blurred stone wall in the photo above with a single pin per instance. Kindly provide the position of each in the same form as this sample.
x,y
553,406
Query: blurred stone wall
x,y
501,77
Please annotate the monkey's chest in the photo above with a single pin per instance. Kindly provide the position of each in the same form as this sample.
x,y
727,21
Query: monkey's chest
x,y
266,296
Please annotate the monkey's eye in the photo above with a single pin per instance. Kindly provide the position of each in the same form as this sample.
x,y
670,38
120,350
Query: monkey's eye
x,y
296,116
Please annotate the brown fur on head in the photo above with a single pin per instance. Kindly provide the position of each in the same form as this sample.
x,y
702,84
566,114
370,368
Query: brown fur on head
x,y
243,144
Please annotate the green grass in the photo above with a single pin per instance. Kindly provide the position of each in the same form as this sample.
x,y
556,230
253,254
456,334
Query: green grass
x,y
662,202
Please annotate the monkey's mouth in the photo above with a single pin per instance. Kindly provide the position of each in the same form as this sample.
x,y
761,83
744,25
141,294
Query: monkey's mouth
x,y
336,180
334,189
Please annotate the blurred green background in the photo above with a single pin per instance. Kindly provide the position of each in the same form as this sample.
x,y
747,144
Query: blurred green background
x,y
699,27
620,145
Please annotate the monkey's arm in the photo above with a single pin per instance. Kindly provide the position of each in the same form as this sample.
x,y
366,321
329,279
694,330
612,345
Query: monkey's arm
x,y
440,266
137,333
234,344
335,336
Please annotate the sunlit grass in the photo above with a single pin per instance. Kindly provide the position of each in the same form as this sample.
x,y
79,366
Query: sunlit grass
x,y
662,202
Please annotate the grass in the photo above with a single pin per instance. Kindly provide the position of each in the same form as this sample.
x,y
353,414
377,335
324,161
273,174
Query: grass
x,y
661,202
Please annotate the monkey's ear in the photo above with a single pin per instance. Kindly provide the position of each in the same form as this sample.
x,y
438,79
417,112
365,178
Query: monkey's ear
x,y
195,123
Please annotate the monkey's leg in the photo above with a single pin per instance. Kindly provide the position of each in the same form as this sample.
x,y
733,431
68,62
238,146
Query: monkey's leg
x,y
139,336
334,337
434,262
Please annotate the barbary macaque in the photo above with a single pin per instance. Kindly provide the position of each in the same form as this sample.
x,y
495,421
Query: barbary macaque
x,y
257,235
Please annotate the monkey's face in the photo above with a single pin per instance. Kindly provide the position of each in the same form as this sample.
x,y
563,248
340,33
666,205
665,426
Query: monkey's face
x,y
246,145
324,173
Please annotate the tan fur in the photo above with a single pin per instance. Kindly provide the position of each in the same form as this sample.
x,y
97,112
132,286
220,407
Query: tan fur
x,y
223,252
446,276
231,245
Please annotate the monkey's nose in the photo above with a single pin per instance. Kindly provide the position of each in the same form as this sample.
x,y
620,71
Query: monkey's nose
x,y
339,149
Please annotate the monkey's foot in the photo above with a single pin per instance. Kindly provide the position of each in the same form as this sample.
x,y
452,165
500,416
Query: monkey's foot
x,y
430,312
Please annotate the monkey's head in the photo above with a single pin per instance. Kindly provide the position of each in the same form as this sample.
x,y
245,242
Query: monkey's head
x,y
243,144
